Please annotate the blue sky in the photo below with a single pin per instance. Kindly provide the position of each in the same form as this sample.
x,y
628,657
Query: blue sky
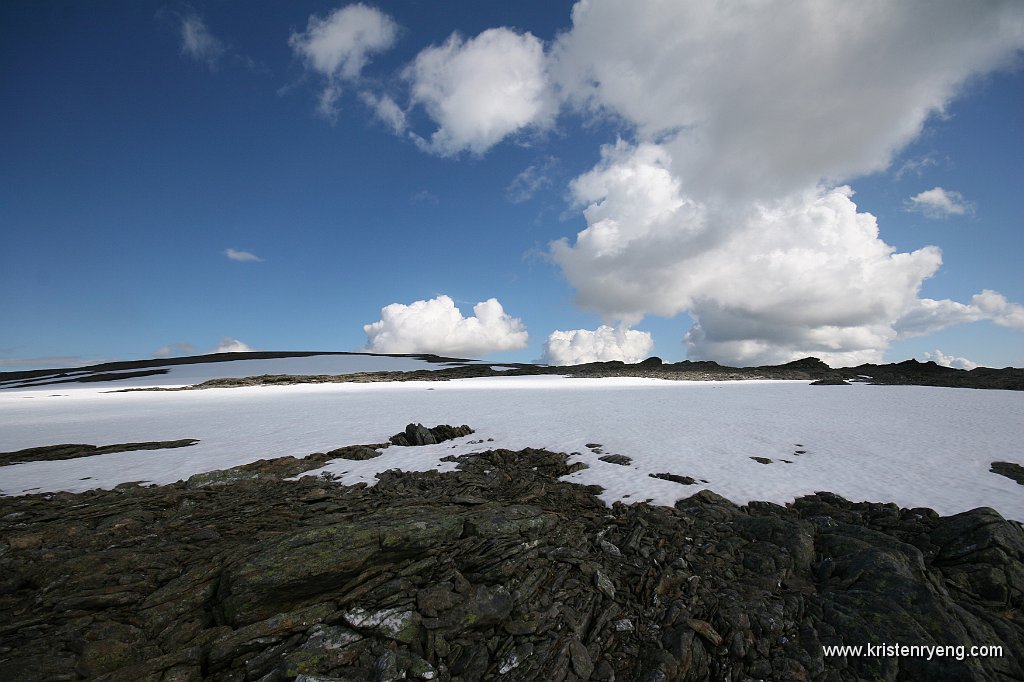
x,y
699,183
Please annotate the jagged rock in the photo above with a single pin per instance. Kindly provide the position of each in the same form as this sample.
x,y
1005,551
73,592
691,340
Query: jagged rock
x,y
417,434
328,647
515,658
256,636
397,623
705,630
582,665
604,585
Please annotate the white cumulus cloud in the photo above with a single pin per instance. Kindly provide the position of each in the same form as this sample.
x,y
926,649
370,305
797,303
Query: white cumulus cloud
x,y
199,43
747,118
339,46
437,326
995,307
174,349
242,256
482,90
927,315
939,203
940,358
578,346
230,345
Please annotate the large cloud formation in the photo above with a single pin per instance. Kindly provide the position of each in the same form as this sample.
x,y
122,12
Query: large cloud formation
x,y
748,116
481,90
768,98
578,346
437,326
765,282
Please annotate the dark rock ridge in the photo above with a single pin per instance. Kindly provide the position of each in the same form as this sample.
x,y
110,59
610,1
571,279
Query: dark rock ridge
x,y
495,571
74,450
1012,471
910,372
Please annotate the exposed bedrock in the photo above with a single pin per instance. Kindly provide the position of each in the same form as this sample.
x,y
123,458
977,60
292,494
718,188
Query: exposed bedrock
x,y
495,571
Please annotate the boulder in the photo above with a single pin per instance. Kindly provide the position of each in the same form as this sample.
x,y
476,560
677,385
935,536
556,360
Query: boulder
x,y
417,434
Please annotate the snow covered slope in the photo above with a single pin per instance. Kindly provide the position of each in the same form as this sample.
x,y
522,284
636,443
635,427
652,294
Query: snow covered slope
x,y
916,446
197,369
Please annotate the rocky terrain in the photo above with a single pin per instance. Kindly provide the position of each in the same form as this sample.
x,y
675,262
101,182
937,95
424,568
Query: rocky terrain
x,y
497,570
910,372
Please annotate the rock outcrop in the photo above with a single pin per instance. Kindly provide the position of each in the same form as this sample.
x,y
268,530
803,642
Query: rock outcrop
x,y
418,434
498,570
51,453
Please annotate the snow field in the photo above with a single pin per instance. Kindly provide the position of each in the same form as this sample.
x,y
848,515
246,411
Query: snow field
x,y
913,445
